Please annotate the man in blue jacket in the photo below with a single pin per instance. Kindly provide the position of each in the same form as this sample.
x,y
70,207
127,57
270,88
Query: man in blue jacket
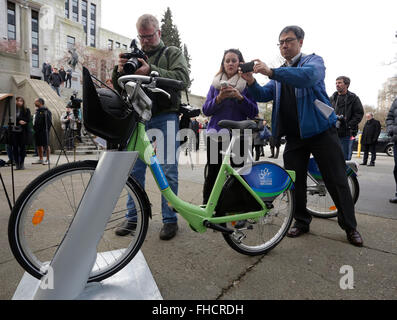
x,y
302,113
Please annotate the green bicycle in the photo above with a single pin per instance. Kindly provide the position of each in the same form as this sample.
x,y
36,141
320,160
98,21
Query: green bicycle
x,y
252,207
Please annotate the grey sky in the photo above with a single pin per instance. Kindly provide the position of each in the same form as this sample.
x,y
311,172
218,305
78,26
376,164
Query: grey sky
x,y
355,38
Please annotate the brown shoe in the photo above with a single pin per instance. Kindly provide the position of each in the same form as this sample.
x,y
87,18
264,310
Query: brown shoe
x,y
354,238
295,232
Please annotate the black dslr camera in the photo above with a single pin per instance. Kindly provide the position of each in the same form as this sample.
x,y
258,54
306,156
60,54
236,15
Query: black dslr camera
x,y
75,104
133,64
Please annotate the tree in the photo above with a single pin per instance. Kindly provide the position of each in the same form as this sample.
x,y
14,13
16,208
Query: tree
x,y
169,31
188,59
170,37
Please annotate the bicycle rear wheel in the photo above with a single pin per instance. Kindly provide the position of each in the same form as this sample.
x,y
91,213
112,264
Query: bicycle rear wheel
x,y
44,211
258,236
319,201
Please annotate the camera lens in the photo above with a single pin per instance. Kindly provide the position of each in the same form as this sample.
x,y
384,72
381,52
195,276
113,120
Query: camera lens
x,y
131,66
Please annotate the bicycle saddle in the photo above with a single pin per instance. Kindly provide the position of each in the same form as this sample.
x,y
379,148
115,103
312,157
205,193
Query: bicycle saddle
x,y
241,125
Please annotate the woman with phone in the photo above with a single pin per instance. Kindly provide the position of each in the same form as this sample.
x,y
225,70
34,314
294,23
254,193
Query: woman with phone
x,y
227,99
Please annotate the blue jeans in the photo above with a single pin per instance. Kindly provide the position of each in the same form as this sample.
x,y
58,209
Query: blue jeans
x,y
56,89
162,126
347,147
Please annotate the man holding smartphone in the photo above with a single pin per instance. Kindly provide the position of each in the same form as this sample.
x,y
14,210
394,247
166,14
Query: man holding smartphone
x,y
302,112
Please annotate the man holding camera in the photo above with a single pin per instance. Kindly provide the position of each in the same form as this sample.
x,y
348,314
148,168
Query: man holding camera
x,y
350,111
42,124
168,62
302,112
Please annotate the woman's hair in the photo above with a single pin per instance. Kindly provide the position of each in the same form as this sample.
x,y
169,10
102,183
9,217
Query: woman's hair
x,y
235,51
23,100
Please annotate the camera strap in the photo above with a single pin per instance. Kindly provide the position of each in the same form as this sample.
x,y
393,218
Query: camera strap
x,y
163,50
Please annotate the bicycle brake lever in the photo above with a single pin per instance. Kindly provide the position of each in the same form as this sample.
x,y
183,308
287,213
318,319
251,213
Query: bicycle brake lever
x,y
152,88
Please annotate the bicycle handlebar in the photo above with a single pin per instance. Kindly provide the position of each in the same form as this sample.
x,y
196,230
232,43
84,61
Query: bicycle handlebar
x,y
157,81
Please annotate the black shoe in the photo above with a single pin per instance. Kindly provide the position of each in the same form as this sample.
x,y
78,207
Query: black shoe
x,y
363,164
355,238
272,156
126,227
168,231
295,232
393,200
371,165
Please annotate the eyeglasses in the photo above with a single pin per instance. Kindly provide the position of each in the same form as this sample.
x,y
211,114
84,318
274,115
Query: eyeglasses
x,y
287,41
147,37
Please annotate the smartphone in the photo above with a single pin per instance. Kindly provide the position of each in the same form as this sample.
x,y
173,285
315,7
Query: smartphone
x,y
224,84
247,67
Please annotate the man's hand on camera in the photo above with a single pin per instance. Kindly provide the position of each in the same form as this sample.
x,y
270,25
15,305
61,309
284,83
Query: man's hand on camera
x,y
121,64
261,67
144,70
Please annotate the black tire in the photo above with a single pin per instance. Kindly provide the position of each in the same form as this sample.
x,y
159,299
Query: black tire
x,y
322,206
390,150
54,226
255,241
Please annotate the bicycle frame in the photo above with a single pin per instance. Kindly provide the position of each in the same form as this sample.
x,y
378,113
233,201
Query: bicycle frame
x,y
195,215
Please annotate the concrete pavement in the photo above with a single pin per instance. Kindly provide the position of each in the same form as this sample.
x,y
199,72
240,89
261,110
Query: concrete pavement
x,y
203,266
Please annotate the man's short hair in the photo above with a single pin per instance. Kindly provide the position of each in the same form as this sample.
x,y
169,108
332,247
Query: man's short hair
x,y
41,100
298,31
346,80
147,20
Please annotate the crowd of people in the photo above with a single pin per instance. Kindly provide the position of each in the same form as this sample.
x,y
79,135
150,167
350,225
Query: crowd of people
x,y
303,114
57,78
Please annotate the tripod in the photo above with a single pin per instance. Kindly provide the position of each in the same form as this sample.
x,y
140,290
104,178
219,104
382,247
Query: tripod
x,y
8,137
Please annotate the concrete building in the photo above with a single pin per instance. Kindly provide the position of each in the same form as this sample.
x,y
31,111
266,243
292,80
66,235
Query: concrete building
x,y
34,32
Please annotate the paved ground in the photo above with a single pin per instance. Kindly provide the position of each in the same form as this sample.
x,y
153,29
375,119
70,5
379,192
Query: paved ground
x,y
195,266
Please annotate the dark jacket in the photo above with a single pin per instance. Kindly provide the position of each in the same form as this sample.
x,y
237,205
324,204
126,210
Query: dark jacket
x,y
391,121
24,134
371,132
41,123
62,73
48,70
352,111
171,64
55,79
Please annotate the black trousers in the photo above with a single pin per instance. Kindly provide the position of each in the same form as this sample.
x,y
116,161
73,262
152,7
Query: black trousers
x,y
369,148
327,151
214,161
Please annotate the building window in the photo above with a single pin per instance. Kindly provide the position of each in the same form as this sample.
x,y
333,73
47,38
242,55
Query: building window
x,y
124,46
67,9
70,42
75,10
84,14
35,39
110,44
12,32
92,24
117,45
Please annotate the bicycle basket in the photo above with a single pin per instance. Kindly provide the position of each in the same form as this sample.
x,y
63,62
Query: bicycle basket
x,y
105,113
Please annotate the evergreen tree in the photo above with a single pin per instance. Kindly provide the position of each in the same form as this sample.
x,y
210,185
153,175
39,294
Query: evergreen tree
x,y
170,37
188,59
169,32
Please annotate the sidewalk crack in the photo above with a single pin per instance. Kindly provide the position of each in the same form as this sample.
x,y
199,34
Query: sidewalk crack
x,y
239,278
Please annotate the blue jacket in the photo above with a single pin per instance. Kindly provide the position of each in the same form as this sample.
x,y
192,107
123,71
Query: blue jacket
x,y
315,114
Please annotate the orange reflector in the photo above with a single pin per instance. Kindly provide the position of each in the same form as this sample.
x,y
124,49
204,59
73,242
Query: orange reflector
x,y
38,217
233,223
332,208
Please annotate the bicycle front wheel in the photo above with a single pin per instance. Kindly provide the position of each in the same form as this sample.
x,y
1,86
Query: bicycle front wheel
x,y
258,236
319,201
46,208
